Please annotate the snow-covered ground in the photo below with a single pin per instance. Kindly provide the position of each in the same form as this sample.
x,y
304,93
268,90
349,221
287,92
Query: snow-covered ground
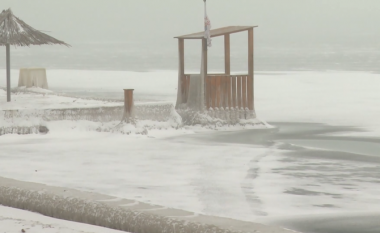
x,y
337,98
241,181
32,100
15,220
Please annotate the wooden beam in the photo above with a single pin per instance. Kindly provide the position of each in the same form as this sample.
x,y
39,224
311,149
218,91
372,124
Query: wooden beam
x,y
250,80
8,61
227,54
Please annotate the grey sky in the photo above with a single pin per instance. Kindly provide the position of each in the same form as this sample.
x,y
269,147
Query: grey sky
x,y
280,21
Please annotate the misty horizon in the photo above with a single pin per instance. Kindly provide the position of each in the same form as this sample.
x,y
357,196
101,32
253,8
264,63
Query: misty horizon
x,y
139,35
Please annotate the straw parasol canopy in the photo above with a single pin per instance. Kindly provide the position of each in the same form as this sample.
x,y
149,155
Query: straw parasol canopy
x,y
14,31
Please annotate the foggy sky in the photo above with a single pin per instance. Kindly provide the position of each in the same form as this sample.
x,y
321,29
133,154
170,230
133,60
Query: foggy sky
x,y
279,21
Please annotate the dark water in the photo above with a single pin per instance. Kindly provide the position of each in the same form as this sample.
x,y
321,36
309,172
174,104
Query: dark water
x,y
292,138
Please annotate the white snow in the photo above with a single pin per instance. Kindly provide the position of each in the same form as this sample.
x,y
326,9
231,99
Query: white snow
x,y
15,220
336,98
203,177
30,100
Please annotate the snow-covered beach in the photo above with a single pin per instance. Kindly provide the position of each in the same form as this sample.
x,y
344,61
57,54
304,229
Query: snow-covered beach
x,y
252,180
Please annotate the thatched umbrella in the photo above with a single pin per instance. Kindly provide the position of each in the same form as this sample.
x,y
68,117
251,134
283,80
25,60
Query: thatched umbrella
x,y
14,31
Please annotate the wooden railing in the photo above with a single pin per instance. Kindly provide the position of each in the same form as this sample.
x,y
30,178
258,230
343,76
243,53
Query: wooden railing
x,y
224,91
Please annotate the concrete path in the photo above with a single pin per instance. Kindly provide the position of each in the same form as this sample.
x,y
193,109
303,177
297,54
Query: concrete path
x,y
116,213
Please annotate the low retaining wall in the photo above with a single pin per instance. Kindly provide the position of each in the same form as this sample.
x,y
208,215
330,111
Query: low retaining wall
x,y
27,121
156,112
116,213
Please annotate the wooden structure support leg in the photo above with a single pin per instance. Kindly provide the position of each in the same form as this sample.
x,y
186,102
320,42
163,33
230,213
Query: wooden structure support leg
x,y
250,80
227,54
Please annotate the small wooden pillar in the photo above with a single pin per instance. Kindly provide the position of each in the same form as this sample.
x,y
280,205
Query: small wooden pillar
x,y
128,105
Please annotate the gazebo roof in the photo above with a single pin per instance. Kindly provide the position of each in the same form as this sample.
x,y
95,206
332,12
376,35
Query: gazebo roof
x,y
217,32
14,31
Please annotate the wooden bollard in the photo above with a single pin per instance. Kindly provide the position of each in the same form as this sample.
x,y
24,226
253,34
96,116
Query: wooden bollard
x,y
128,105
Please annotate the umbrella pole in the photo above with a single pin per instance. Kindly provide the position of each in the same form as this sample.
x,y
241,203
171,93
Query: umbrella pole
x,y
8,73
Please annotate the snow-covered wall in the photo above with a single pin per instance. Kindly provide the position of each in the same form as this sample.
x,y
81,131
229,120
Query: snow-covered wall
x,y
26,121
156,112
116,213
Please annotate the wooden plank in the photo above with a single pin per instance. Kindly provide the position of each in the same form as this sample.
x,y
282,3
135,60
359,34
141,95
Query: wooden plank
x,y
239,91
213,91
208,92
218,84
217,32
234,104
227,54
244,91
222,92
250,70
182,84
229,104
187,86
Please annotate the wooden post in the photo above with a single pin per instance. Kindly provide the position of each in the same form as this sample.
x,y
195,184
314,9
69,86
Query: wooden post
x,y
250,80
204,50
128,105
8,61
227,54
204,54
182,85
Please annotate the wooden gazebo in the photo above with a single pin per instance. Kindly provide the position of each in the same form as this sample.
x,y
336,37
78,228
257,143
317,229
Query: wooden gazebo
x,y
221,91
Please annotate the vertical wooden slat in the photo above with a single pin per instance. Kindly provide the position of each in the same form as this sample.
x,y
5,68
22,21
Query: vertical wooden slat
x,y
250,70
213,91
229,105
208,90
234,92
187,86
218,84
183,88
227,54
222,91
239,91
244,91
